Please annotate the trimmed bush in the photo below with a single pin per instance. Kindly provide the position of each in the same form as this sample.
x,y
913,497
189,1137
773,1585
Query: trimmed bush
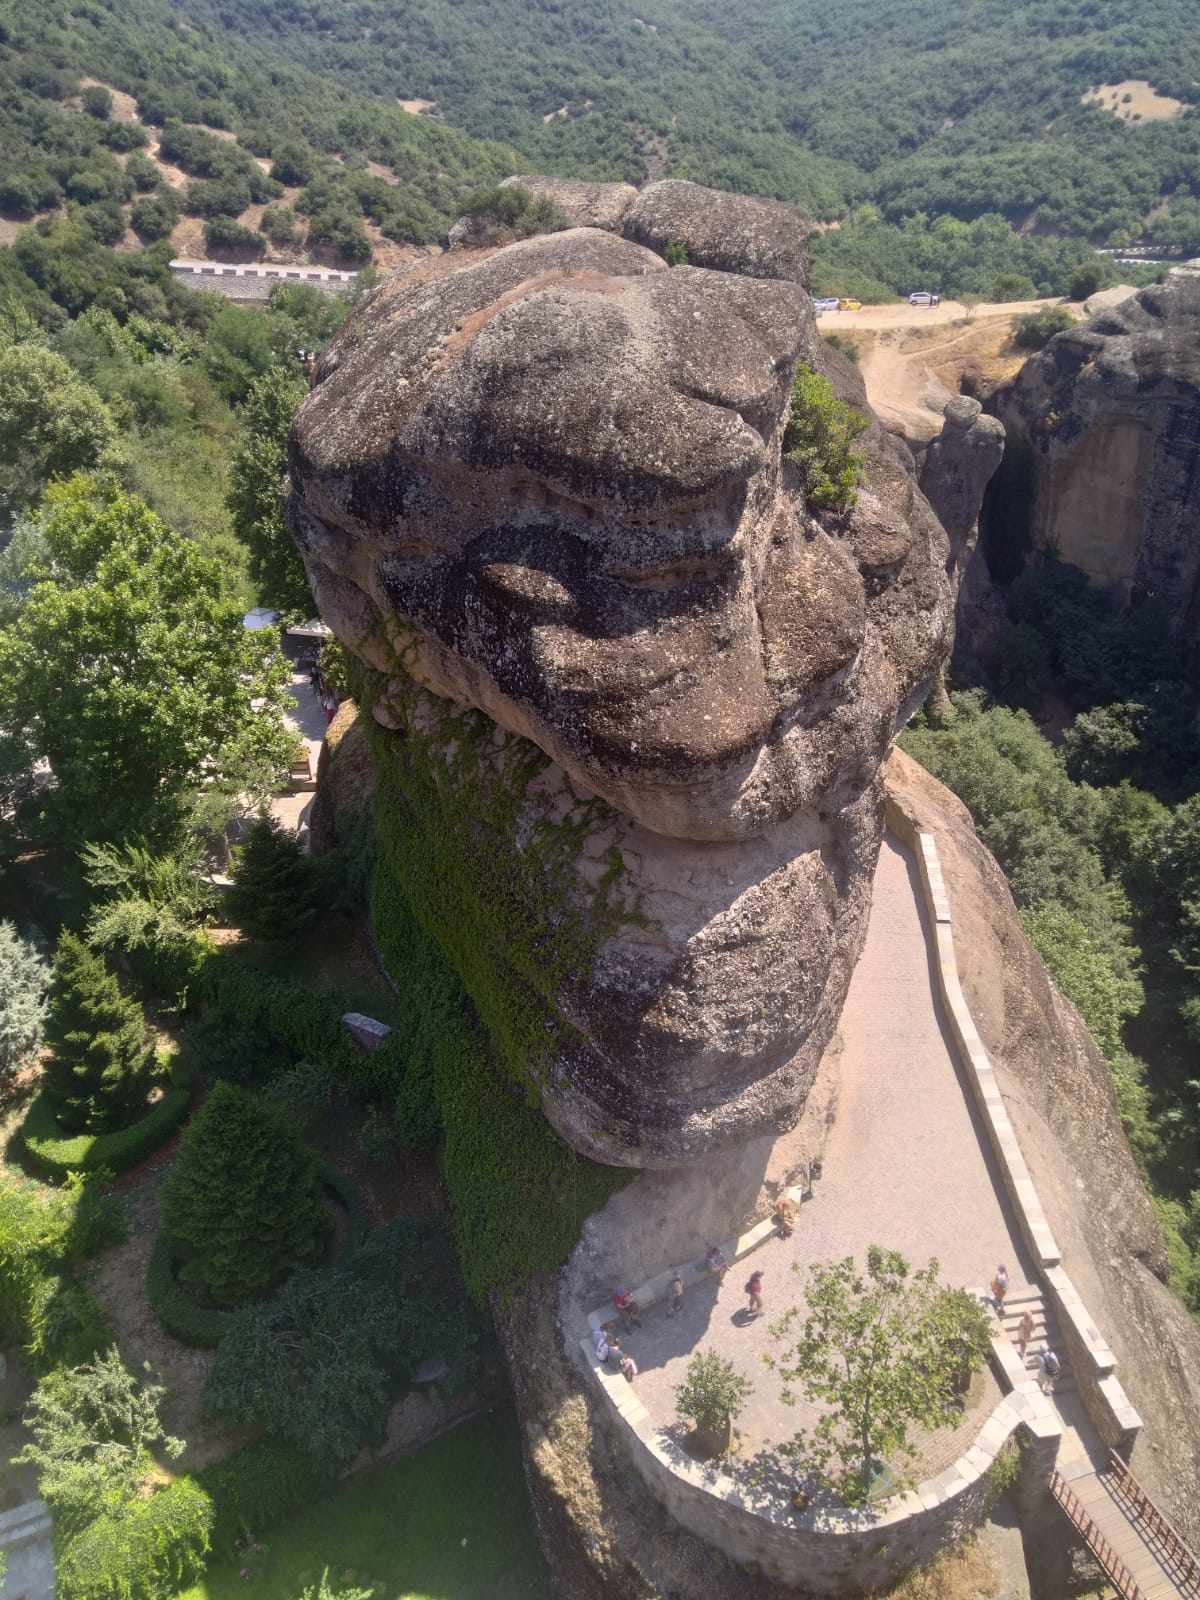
x,y
308,1023
148,1550
243,1202
203,1327
101,1060
256,1486
58,1154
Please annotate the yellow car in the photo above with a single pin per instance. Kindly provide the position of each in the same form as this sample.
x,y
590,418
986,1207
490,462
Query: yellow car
x,y
851,305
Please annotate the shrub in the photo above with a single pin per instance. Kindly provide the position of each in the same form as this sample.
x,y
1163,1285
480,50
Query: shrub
x,y
58,1154
321,1364
149,1550
101,1060
92,1431
279,224
274,888
24,977
53,1319
1035,330
819,440
305,1023
239,1049
223,233
243,1202
844,346
494,216
152,219
97,101
256,1486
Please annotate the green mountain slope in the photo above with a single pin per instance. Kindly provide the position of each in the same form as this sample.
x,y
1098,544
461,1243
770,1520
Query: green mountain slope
x,y
919,106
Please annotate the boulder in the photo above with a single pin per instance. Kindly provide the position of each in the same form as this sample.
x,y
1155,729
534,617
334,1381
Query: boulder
x,y
584,205
637,692
729,232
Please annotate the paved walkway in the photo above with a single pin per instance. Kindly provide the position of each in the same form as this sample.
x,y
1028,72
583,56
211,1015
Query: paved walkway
x,y
905,1167
307,719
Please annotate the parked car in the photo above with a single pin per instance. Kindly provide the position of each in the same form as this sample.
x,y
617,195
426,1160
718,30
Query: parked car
x,y
826,302
922,297
850,305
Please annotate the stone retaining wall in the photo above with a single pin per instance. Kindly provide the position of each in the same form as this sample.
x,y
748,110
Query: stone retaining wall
x,y
1092,1362
25,1538
255,282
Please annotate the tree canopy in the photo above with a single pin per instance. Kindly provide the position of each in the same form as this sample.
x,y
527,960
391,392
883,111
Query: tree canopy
x,y
128,668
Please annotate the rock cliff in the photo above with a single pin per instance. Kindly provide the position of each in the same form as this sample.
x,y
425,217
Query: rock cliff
x,y
1111,414
546,483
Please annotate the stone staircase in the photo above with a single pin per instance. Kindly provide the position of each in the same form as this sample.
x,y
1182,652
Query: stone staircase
x,y
1045,1330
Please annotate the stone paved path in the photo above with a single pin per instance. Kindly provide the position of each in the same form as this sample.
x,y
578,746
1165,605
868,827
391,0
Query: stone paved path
x,y
307,719
905,1167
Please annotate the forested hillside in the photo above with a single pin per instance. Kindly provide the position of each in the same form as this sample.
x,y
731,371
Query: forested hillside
x,y
917,107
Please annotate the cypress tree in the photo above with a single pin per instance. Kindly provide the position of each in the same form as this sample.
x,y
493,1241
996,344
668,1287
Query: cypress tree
x,y
274,891
101,1062
243,1203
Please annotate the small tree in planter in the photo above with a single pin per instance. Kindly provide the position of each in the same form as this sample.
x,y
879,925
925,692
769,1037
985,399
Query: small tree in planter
x,y
243,1204
101,1062
711,1397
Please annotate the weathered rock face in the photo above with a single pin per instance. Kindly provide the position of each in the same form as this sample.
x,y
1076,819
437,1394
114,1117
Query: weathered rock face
x,y
584,205
1112,411
731,232
958,465
547,484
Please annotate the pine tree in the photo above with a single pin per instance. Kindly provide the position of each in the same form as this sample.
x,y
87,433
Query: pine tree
x,y
274,890
101,1061
23,979
243,1203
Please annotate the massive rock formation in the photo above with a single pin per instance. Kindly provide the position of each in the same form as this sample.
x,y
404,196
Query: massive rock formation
x,y
1111,413
547,484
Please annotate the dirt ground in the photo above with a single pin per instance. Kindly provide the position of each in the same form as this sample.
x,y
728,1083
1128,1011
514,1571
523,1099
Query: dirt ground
x,y
914,358
1144,103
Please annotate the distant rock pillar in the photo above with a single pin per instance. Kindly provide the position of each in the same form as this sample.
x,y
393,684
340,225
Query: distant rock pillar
x,y
958,466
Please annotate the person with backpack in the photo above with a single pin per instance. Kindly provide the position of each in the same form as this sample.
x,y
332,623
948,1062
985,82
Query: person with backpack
x,y
754,1290
1050,1367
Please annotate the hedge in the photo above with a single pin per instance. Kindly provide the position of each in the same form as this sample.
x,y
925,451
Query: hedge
x,y
308,1022
181,1315
147,1551
260,1484
58,1155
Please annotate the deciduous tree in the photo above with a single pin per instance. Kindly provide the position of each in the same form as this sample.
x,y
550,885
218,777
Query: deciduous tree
x,y
886,1349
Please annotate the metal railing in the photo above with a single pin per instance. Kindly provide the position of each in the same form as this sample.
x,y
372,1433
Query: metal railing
x,y
1176,1553
1122,1579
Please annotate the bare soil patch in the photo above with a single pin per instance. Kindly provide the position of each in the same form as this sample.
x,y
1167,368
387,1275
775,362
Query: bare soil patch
x,y
124,108
416,107
1133,99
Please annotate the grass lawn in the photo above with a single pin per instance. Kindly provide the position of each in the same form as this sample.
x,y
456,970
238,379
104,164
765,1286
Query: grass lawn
x,y
450,1523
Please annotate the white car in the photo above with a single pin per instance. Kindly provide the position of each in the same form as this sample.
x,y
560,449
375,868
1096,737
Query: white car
x,y
826,303
922,297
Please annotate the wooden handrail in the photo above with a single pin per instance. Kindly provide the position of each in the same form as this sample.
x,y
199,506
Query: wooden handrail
x,y
1122,1579
1144,1509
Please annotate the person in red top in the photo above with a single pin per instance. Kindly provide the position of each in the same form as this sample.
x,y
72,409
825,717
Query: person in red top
x,y
754,1290
628,1307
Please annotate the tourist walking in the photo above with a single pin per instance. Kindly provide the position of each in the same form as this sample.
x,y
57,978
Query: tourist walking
x,y
1000,1286
754,1290
602,1345
676,1299
1049,1368
629,1368
1024,1333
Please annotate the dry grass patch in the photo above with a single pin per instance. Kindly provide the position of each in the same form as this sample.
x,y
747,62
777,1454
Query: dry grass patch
x,y
1134,99
965,1573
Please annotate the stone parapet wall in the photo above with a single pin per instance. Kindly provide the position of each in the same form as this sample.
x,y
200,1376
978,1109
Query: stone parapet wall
x,y
1092,1362
255,282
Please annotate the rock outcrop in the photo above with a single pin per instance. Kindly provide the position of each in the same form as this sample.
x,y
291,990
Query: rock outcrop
x,y
547,484
1111,413
958,466
584,205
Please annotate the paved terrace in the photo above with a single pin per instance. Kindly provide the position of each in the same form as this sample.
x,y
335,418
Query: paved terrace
x,y
907,1166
